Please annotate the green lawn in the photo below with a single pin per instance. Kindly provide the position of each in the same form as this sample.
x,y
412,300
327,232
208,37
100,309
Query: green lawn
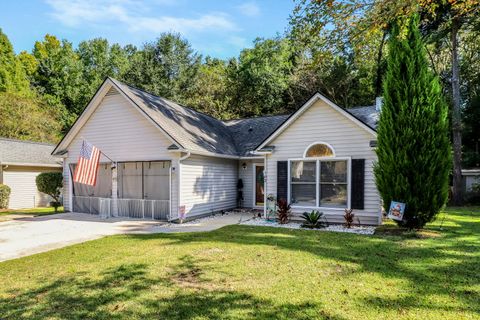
x,y
243,272
43,211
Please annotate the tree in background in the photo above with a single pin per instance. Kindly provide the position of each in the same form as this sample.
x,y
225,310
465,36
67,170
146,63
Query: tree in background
x,y
337,77
51,183
27,118
262,77
58,74
99,60
210,91
167,67
24,115
413,141
13,78
445,19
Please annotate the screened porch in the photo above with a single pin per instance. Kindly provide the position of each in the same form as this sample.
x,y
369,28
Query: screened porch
x,y
142,191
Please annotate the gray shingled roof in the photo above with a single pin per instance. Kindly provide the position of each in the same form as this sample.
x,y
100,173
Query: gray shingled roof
x,y
249,133
367,115
191,129
196,131
26,152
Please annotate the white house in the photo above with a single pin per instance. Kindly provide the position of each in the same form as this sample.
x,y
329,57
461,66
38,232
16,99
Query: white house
x,y
170,161
471,177
20,163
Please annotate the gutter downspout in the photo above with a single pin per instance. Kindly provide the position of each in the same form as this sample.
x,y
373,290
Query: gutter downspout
x,y
1,171
179,175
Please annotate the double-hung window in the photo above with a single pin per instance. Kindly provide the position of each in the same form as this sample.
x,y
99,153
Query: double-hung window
x,y
319,183
303,177
333,184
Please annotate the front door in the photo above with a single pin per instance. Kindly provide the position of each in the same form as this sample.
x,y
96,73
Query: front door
x,y
259,185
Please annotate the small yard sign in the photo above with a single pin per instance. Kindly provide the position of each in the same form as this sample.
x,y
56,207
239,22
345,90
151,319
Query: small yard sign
x,y
397,209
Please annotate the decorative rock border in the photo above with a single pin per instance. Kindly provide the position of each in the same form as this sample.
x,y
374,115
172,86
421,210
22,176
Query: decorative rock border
x,y
365,230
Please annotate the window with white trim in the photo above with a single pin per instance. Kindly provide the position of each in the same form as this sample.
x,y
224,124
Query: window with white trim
x,y
333,183
319,183
303,180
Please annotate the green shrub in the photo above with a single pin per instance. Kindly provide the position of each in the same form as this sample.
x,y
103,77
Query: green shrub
x,y
414,153
51,183
314,220
4,196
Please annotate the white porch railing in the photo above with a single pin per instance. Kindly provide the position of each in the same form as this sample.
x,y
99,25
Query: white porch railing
x,y
129,208
144,209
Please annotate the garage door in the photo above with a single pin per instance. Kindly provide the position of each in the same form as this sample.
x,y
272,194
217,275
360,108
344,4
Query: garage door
x,y
24,193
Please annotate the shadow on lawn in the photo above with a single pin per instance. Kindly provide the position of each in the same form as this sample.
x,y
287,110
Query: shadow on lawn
x,y
447,266
126,292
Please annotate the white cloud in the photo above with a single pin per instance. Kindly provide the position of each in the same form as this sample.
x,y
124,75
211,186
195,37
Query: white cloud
x,y
182,25
250,9
133,15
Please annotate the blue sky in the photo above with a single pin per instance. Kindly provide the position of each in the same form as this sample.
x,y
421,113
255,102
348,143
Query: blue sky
x,y
213,27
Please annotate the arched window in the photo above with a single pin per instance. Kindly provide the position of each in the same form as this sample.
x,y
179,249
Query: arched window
x,y
317,150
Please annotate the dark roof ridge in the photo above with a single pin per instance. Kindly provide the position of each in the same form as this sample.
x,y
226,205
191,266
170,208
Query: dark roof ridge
x,y
258,117
356,107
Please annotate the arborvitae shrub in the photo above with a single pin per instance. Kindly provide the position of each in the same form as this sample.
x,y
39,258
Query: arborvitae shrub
x,y
414,153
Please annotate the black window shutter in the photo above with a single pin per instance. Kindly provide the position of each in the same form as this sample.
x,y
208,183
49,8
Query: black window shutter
x,y
282,180
358,183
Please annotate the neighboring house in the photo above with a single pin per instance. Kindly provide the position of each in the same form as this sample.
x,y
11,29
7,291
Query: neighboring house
x,y
471,177
20,163
173,162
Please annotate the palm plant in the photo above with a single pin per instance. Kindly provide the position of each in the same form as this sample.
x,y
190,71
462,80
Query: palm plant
x,y
314,220
283,211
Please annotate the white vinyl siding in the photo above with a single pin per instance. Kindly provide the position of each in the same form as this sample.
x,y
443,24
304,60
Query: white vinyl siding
x,y
322,123
208,184
119,130
24,192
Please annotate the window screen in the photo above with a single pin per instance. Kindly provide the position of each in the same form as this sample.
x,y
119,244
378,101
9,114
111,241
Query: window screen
x,y
103,187
144,180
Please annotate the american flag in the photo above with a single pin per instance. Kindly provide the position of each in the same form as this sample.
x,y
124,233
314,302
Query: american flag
x,y
87,166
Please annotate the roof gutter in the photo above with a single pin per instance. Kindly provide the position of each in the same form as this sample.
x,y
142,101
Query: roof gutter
x,y
25,164
208,154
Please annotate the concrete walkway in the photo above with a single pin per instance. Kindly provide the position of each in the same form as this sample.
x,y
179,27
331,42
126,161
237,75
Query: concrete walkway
x,y
24,236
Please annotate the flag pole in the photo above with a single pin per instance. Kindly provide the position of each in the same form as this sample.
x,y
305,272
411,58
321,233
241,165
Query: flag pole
x,y
114,162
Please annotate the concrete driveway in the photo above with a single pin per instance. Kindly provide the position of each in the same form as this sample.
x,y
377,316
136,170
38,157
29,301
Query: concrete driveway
x,y
24,236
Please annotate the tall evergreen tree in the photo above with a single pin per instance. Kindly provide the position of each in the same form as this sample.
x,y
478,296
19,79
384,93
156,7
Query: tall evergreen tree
x,y
13,78
414,152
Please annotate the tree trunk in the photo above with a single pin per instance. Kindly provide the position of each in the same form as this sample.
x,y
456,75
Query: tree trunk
x,y
456,119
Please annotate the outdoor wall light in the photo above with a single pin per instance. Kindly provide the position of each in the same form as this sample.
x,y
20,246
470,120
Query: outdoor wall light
x,y
244,166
